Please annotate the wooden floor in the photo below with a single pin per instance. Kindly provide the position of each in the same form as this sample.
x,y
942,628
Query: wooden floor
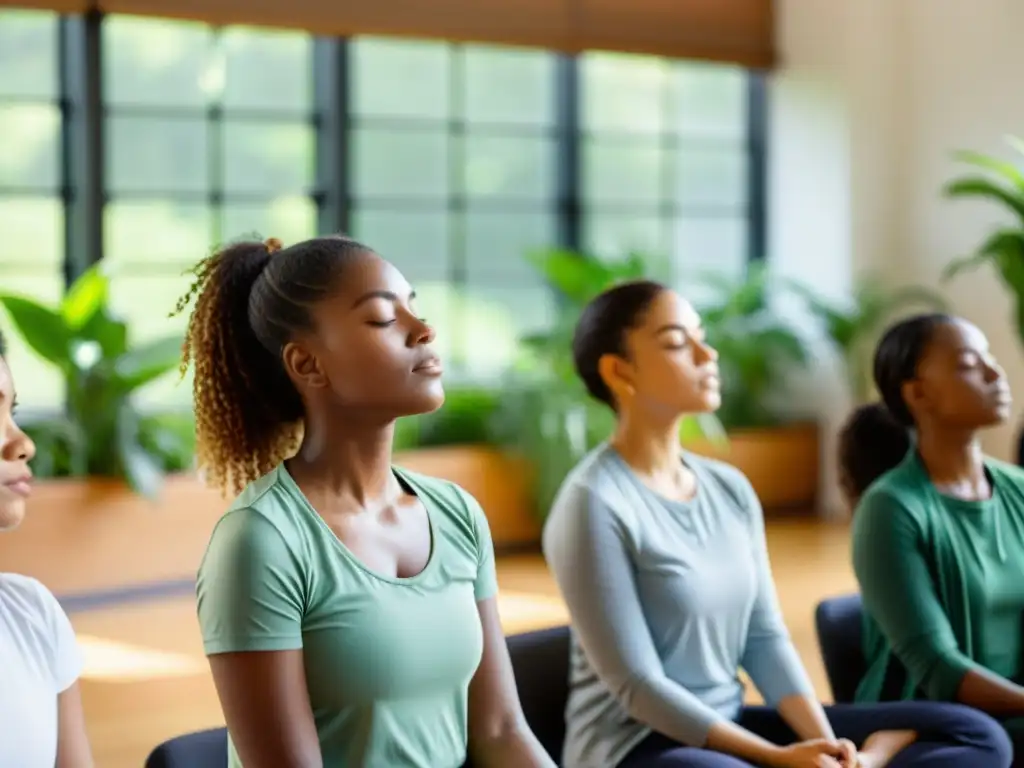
x,y
146,679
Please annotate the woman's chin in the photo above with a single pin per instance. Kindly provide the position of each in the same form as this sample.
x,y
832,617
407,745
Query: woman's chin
x,y
428,400
711,401
12,512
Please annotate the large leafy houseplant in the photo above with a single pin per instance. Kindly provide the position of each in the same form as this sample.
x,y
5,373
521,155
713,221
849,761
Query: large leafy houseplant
x,y
1000,182
757,348
102,431
853,327
546,414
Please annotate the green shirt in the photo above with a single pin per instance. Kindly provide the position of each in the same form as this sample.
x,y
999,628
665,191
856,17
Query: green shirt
x,y
388,660
941,580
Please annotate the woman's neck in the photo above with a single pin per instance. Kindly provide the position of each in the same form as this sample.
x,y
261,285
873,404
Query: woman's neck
x,y
650,446
954,461
353,462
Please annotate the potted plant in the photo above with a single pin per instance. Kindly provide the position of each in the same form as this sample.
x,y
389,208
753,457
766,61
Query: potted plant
x,y
115,506
758,350
854,327
1000,182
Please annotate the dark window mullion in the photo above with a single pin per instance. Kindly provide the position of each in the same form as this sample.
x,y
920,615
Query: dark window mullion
x,y
82,141
568,172
757,165
331,89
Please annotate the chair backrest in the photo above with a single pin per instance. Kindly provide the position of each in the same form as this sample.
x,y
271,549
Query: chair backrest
x,y
540,661
203,749
839,628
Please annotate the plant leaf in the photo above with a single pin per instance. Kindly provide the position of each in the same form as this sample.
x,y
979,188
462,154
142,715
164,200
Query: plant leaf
x,y
978,186
171,437
963,264
142,471
86,297
1015,143
147,362
1004,241
107,331
1006,170
41,328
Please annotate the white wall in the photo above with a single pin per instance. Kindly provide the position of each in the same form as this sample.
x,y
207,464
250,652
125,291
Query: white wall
x,y
871,98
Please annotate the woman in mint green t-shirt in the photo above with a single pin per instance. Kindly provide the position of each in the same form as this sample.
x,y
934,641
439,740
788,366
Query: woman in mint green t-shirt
x,y
938,539
347,606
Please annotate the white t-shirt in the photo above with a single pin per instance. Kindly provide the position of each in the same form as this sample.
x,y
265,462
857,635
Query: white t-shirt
x,y
39,659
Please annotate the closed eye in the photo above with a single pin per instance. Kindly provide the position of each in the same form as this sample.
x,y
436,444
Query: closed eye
x,y
381,323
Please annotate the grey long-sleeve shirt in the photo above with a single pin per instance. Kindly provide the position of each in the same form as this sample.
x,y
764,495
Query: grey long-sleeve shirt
x,y
668,600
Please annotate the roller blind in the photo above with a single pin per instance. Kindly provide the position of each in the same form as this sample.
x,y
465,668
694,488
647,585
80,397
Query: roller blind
x,y
737,31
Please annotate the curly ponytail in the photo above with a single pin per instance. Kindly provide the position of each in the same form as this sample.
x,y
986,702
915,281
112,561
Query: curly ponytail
x,y
249,302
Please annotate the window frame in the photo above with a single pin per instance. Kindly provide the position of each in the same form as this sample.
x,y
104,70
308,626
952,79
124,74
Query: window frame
x,y
83,185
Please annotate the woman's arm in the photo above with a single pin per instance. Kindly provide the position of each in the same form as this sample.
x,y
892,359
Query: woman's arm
x,y
586,548
72,741
498,733
987,691
807,718
266,707
889,559
66,658
769,656
250,604
805,715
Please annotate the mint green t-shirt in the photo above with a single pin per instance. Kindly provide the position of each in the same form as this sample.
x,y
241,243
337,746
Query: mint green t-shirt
x,y
388,660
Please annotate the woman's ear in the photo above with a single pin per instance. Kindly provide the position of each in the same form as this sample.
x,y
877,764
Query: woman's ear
x,y
913,395
303,367
617,374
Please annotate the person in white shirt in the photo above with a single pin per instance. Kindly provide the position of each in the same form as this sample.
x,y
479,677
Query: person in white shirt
x,y
41,720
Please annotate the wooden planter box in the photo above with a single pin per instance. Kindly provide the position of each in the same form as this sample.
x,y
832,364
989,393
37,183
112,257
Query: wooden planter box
x,y
91,536
83,537
781,462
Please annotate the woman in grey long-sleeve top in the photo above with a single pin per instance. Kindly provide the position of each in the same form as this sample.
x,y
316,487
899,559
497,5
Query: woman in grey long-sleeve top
x,y
661,558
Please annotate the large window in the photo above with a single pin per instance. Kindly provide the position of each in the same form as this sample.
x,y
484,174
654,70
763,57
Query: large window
x,y
209,136
31,178
453,178
454,161
665,157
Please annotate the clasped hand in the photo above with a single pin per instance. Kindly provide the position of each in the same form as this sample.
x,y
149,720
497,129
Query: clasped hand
x,y
819,753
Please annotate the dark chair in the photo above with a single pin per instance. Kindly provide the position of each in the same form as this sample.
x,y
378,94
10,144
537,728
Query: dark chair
x,y
838,624
203,749
540,661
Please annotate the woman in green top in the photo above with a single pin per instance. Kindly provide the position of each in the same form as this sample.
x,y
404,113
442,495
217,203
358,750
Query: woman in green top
x,y
938,541
347,606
